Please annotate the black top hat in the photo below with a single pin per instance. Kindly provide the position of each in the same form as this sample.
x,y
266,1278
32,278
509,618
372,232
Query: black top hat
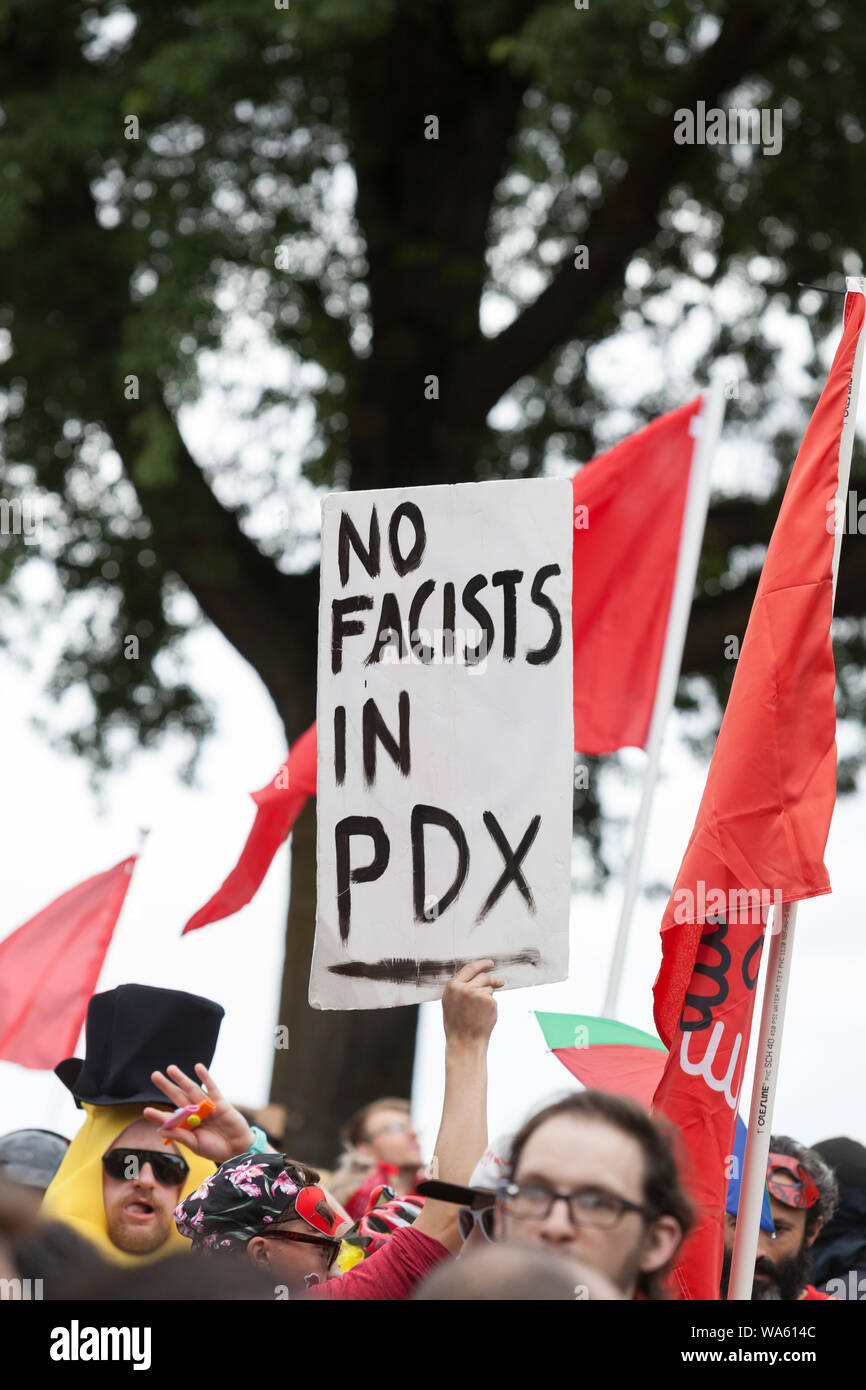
x,y
136,1029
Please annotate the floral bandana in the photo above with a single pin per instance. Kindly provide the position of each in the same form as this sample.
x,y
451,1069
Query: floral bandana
x,y
239,1201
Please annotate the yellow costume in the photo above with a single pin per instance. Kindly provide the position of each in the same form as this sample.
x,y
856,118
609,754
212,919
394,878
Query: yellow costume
x,y
75,1192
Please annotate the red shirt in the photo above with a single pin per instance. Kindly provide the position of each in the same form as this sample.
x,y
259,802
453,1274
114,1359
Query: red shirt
x,y
356,1205
810,1293
391,1273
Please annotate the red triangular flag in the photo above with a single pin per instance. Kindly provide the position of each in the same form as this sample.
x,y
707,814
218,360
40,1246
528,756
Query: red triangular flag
x,y
279,805
626,549
49,968
763,821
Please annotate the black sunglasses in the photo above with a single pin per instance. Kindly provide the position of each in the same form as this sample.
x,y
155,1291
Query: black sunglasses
x,y
331,1247
126,1165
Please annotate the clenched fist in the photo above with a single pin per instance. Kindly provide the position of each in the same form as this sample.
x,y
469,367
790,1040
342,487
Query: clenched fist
x,y
468,1004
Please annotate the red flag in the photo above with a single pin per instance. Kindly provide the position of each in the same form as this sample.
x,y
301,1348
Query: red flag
x,y
629,506
49,968
762,824
279,805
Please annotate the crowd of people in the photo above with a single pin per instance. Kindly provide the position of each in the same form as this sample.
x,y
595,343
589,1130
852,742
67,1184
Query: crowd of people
x,y
586,1200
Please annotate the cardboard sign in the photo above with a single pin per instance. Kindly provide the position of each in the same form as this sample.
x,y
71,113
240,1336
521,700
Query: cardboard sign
x,y
445,739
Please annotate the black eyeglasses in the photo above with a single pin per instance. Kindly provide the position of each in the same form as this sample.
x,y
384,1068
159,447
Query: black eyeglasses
x,y
591,1206
169,1170
331,1247
467,1220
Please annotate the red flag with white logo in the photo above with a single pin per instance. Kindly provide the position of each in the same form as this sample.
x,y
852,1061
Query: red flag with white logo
x,y
763,821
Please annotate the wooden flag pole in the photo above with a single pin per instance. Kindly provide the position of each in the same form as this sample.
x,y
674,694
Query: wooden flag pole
x,y
691,539
781,946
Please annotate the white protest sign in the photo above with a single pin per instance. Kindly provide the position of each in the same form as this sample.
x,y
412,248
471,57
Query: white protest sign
x,y
445,739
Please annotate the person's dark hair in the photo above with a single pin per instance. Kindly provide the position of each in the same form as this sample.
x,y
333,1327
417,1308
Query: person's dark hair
x,y
497,1274
663,1191
176,1278
825,1179
58,1256
299,1172
354,1131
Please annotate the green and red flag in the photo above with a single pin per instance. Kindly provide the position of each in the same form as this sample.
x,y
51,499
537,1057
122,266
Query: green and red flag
x,y
608,1056
605,1055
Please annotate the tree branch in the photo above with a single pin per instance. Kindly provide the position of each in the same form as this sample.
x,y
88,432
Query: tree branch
x,y
269,617
626,221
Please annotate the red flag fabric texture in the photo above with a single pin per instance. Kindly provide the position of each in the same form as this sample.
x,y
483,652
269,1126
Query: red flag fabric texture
x,y
700,1087
762,824
764,817
606,1055
626,549
278,806
49,968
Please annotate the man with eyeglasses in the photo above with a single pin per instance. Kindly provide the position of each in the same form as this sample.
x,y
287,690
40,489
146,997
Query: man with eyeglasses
x,y
594,1178
254,1203
380,1146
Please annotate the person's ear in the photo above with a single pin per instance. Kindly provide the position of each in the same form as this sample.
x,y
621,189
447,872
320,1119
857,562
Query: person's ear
x,y
812,1236
258,1253
662,1239
364,1151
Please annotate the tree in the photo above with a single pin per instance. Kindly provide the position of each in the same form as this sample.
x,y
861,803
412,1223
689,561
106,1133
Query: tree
x,y
363,185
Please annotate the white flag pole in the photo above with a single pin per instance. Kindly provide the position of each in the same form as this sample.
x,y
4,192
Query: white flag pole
x,y
781,946
691,538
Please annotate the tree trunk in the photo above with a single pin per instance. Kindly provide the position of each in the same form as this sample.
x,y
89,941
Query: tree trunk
x,y
335,1061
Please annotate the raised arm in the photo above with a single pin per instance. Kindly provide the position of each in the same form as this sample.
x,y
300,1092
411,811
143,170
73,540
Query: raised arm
x,y
469,1014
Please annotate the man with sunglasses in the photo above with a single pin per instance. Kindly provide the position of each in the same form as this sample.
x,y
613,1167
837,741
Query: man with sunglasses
x,y
803,1194
272,1220
141,1186
119,1182
271,1209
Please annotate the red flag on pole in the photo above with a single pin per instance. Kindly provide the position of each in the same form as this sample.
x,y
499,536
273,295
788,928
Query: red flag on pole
x,y
49,968
763,821
628,517
278,806
628,513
